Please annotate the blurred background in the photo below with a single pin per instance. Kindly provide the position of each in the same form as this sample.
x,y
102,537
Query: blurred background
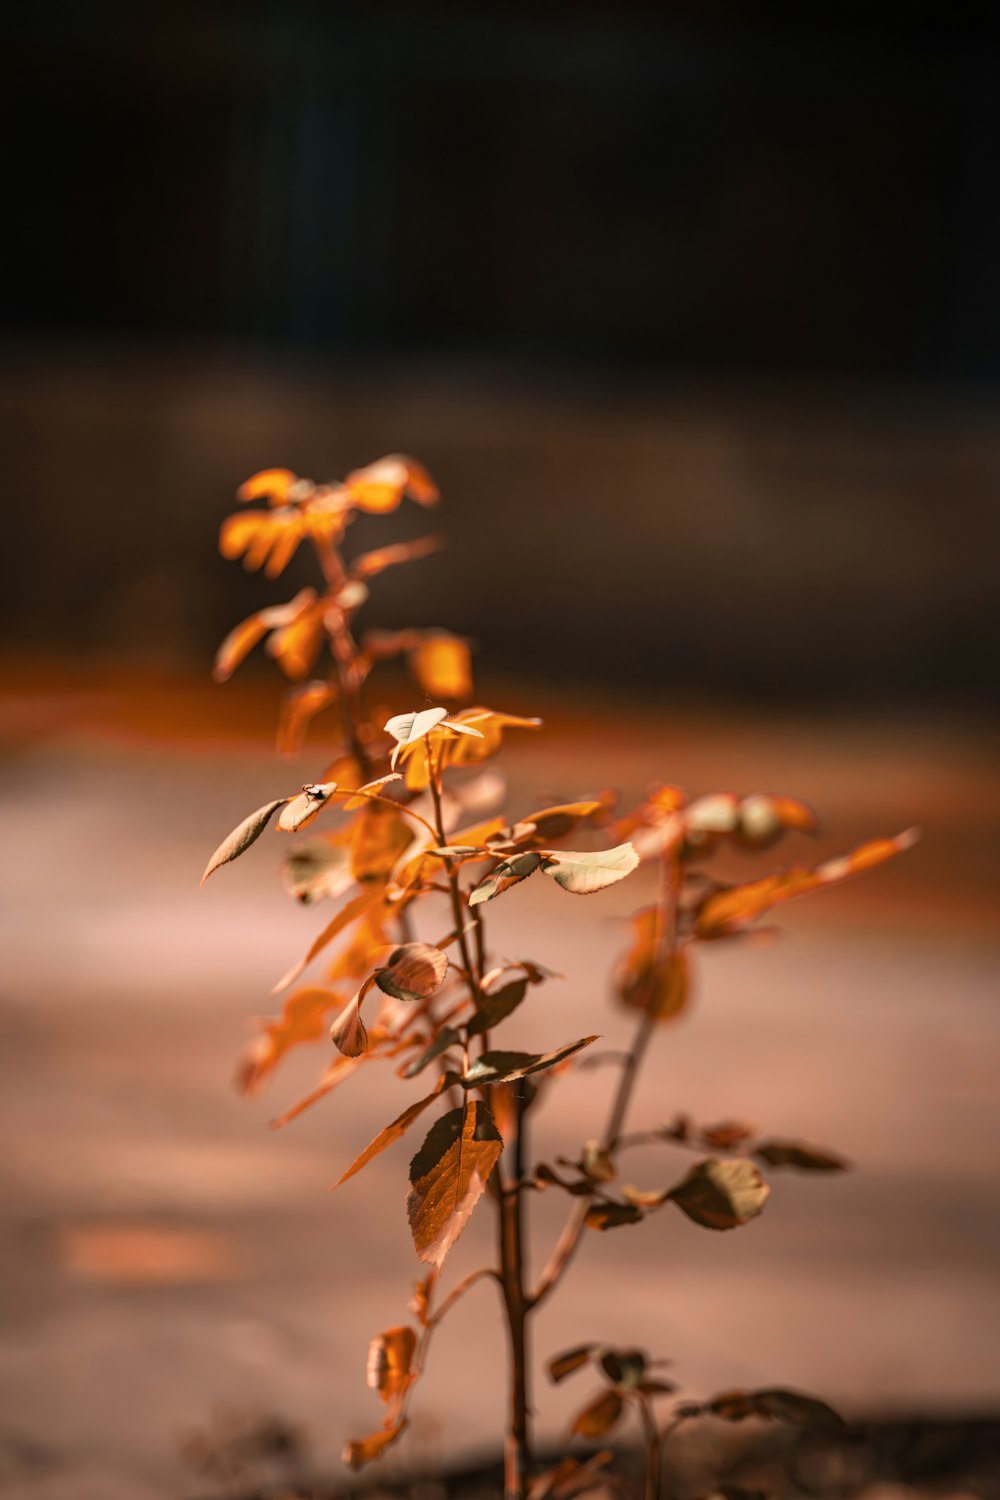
x,y
694,318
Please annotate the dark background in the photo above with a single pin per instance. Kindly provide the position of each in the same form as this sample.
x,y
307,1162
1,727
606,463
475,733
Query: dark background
x,y
693,314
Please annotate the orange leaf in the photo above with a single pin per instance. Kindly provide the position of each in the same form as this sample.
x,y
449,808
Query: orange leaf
x,y
298,709
274,485
390,1362
371,563
262,537
354,908
727,910
380,486
302,1020
361,1451
335,1073
442,666
600,1416
394,1131
448,1176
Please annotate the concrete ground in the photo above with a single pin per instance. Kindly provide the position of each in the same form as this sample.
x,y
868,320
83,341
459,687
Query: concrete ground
x,y
165,1258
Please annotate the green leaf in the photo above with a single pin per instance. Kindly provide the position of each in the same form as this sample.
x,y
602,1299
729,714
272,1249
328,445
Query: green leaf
x,y
721,1194
502,1067
498,1006
585,873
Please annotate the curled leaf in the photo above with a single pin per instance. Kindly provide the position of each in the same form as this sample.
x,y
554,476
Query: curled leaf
x,y
301,810
721,1194
390,1362
414,972
448,1177
348,1033
247,833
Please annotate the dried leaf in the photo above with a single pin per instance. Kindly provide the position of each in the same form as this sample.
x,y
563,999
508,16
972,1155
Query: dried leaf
x,y
414,972
612,1215
727,910
371,563
274,485
780,1405
361,1451
442,666
298,709
600,1416
504,1067
573,1359
347,914
721,1194
449,1175
585,873
596,1163
380,838
796,1154
649,980
624,1367
498,1006
348,1033
570,1477
393,1132
390,1362
380,486
237,842
301,1020
301,810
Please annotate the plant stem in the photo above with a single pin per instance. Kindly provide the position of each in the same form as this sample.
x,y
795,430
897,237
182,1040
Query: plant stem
x,y
517,1444
651,1489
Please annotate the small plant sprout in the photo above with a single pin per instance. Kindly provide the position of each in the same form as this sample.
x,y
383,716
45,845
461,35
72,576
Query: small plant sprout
x,y
414,850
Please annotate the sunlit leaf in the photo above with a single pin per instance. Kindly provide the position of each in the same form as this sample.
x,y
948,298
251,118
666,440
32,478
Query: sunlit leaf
x,y
301,810
370,789
448,1177
496,1007
265,539
721,1194
600,1416
336,1073
796,1154
274,485
298,709
407,728
468,750
390,1362
612,1215
371,563
414,972
301,1020
361,1451
504,1067
247,833
347,914
573,1359
731,908
509,872
584,873
381,485
394,1131
380,838
442,666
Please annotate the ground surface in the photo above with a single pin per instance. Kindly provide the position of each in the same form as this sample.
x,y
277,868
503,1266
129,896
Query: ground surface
x,y
165,1257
